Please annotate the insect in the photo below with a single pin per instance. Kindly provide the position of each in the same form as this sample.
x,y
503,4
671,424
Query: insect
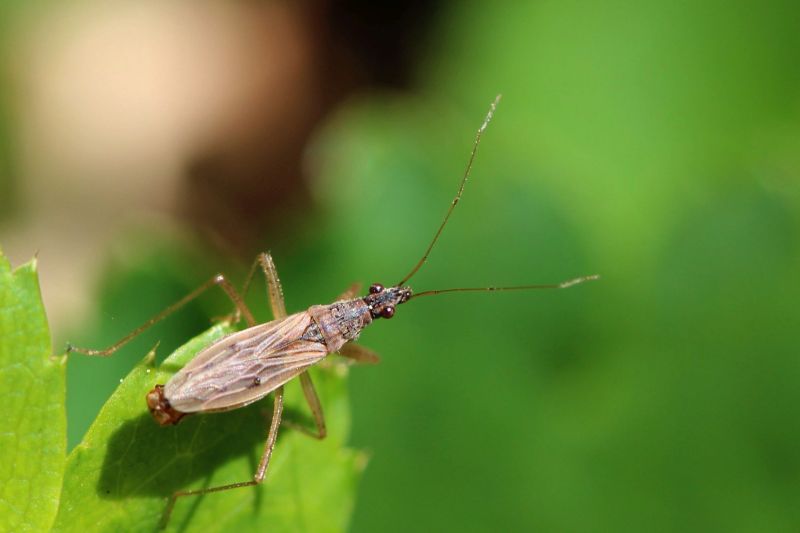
x,y
245,366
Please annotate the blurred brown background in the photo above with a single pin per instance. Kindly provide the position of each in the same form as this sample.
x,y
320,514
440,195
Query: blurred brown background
x,y
198,112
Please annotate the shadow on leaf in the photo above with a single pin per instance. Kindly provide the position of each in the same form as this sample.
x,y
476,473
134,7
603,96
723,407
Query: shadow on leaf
x,y
145,459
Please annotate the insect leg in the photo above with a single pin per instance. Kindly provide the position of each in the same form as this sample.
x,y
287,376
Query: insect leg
x,y
274,288
218,280
351,292
359,354
261,471
316,409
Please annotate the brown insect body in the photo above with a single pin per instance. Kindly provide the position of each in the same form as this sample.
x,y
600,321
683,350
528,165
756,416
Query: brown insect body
x,y
245,366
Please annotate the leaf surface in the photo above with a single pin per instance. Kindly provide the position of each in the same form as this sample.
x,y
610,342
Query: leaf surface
x,y
33,434
122,473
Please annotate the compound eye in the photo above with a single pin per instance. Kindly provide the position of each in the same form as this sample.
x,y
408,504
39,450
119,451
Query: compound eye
x,y
375,288
388,312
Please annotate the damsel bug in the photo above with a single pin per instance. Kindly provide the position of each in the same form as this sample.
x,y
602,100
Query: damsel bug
x,y
245,366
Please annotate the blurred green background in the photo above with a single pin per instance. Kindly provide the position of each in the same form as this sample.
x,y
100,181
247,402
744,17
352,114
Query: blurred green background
x,y
655,143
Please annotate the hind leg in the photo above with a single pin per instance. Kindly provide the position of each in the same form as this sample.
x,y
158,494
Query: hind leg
x,y
217,281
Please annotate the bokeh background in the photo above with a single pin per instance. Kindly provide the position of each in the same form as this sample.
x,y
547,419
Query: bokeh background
x,y
146,145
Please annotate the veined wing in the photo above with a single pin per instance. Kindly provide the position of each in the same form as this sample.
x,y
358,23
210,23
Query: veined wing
x,y
244,366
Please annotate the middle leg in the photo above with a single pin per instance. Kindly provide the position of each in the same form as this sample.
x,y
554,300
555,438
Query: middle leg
x,y
274,288
278,305
261,471
316,410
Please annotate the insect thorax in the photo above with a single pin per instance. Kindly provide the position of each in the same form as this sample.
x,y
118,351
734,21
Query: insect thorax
x,y
340,322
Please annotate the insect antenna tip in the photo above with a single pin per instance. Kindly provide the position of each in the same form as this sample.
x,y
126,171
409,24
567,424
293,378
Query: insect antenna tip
x,y
575,281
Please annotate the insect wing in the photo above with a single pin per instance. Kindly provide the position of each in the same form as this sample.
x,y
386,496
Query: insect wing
x,y
245,366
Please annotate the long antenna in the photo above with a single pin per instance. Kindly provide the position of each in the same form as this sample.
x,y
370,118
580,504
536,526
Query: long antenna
x,y
424,258
562,285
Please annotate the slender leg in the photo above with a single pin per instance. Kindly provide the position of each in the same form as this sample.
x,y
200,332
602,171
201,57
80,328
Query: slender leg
x,y
274,289
359,354
316,409
246,287
249,278
278,305
261,471
351,292
218,280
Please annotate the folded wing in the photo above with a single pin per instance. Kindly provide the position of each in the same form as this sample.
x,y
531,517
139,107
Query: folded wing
x,y
244,366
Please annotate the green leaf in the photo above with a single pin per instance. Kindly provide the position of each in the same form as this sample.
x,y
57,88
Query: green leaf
x,y
126,467
33,439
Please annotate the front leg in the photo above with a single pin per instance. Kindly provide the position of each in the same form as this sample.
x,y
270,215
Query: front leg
x,y
359,354
352,291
